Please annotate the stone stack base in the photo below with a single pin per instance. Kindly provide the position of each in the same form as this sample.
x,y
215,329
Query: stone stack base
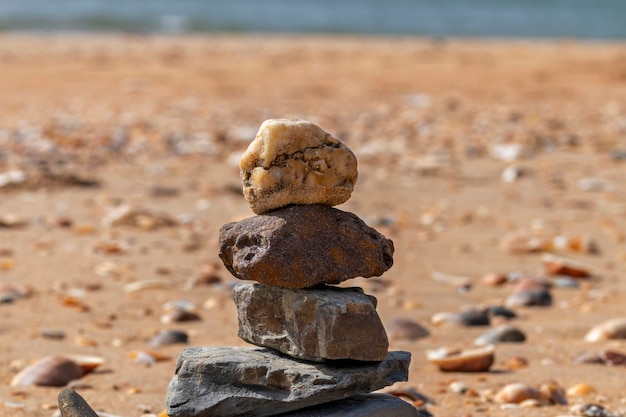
x,y
258,382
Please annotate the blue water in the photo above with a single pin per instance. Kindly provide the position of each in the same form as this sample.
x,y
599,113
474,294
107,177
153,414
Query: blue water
x,y
586,19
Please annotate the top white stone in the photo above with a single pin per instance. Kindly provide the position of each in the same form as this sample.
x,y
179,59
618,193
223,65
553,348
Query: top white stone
x,y
296,162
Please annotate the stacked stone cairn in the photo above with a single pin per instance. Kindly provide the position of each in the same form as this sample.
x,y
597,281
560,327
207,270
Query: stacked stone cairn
x,y
321,349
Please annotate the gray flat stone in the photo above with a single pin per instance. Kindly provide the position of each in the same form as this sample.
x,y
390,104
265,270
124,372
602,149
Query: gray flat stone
x,y
304,246
256,382
312,324
366,405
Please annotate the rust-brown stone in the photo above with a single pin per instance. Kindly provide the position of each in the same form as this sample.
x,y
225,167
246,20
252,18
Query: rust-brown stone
x,y
302,246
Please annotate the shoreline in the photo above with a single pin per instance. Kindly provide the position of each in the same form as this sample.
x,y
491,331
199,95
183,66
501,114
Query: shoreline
x,y
116,34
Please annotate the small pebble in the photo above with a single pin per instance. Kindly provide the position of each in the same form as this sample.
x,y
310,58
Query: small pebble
x,y
183,305
13,404
566,282
507,151
71,404
12,221
83,341
526,283
143,358
10,293
474,317
459,387
54,334
612,358
209,275
455,280
501,334
618,155
501,311
596,184
63,222
178,316
516,362
12,177
405,329
512,173
519,242
591,410
126,215
494,279
85,229
169,337
541,298
588,358
553,393
161,191
7,264
471,317
148,284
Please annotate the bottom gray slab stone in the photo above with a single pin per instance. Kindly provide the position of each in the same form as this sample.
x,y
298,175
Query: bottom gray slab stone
x,y
365,405
258,382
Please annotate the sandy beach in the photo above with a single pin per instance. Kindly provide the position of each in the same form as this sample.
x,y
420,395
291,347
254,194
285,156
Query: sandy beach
x,y
461,145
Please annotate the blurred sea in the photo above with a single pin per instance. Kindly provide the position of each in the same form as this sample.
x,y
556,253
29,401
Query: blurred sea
x,y
586,19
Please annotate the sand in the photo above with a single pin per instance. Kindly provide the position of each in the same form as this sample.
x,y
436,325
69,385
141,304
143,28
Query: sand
x,y
159,123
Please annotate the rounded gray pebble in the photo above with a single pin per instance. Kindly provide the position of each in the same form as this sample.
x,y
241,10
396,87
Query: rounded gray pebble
x,y
169,337
501,311
405,329
501,334
71,404
474,317
540,297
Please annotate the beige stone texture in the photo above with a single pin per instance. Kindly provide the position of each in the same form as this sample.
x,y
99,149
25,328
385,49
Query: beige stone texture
x,y
296,162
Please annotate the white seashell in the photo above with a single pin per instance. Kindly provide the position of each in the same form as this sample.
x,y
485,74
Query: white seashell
x,y
556,265
507,151
127,215
458,387
470,360
183,305
87,362
56,370
148,284
444,317
520,241
456,280
516,393
12,221
512,173
12,177
610,329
